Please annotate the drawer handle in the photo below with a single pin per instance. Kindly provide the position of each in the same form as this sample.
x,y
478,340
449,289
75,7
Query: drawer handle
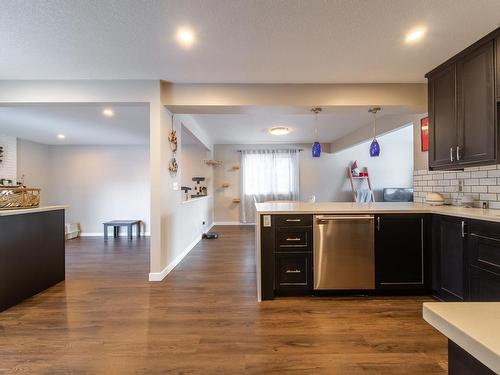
x,y
293,271
293,220
293,239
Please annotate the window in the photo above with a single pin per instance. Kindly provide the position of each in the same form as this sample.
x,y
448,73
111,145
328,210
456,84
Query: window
x,y
267,175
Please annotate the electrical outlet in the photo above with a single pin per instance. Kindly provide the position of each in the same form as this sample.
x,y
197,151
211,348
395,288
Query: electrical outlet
x,y
460,185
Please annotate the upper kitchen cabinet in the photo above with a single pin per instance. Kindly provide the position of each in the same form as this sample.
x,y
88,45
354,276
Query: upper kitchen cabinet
x,y
463,125
476,106
442,117
498,67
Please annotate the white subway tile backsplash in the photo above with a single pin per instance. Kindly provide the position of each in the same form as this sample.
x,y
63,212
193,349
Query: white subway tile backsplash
x,y
471,181
479,189
479,174
487,167
488,197
495,173
488,181
482,183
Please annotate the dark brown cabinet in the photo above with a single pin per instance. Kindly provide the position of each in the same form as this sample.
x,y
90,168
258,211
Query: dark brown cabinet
x,y
442,117
463,110
400,252
483,248
498,67
293,270
449,258
476,106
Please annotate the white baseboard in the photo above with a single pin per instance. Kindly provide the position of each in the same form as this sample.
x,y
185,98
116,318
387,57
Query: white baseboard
x,y
159,276
231,223
101,234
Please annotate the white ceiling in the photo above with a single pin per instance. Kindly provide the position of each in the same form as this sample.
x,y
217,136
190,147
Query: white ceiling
x,y
244,41
251,128
80,123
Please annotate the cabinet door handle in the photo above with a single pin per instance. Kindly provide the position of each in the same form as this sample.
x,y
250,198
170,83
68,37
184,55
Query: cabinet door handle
x,y
451,153
458,153
378,223
293,271
293,239
293,220
463,229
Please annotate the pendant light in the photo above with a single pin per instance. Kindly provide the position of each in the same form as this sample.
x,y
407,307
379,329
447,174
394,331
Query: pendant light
x,y
374,147
316,147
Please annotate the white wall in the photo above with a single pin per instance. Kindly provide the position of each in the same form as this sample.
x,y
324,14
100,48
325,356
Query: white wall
x,y
393,168
100,183
33,164
8,166
324,177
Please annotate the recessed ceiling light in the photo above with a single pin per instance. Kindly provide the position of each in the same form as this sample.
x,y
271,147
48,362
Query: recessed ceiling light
x,y
415,35
185,37
61,136
108,112
279,130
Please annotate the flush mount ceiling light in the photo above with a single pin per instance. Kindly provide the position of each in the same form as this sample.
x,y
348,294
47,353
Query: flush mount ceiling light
x,y
279,130
415,35
108,112
61,136
185,37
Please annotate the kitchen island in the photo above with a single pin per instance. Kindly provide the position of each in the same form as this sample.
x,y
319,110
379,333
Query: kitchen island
x,y
412,245
472,329
32,256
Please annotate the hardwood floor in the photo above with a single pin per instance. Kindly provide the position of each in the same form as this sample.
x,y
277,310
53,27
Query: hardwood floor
x,y
204,319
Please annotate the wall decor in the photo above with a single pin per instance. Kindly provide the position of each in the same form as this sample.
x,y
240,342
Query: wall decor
x,y
172,139
173,167
424,133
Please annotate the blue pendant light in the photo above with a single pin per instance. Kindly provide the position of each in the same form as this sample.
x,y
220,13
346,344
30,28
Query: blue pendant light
x,y
374,147
316,147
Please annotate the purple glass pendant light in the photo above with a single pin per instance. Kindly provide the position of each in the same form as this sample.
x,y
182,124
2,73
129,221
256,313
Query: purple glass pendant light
x,y
316,147
374,147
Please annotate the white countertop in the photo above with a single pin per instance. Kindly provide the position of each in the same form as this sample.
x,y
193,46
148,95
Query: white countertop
x,y
377,207
31,210
474,326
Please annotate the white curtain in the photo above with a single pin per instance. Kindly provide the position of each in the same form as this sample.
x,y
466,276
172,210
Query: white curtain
x,y
267,175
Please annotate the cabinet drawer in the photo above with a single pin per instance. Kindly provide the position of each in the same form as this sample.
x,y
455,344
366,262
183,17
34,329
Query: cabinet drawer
x,y
293,220
484,285
294,239
293,270
484,252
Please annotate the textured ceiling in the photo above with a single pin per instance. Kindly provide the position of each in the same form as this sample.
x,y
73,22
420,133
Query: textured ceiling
x,y
245,41
80,123
252,128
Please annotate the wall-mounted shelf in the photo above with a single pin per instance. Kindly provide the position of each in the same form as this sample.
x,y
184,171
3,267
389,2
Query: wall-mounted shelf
x,y
213,163
236,200
225,185
236,167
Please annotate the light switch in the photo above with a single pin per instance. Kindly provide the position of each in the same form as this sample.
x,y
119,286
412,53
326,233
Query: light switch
x,y
175,185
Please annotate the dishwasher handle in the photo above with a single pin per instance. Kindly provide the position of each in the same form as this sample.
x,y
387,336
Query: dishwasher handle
x,y
323,219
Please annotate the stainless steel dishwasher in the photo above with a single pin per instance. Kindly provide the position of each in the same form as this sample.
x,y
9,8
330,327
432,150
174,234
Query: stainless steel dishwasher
x,y
344,256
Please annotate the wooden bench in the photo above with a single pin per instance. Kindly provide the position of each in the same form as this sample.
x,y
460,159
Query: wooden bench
x,y
116,224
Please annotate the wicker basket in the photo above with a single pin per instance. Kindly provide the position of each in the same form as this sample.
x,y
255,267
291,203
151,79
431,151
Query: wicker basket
x,y
12,198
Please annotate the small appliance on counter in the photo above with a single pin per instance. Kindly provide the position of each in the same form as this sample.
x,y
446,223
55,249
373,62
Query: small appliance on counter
x,y
434,199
